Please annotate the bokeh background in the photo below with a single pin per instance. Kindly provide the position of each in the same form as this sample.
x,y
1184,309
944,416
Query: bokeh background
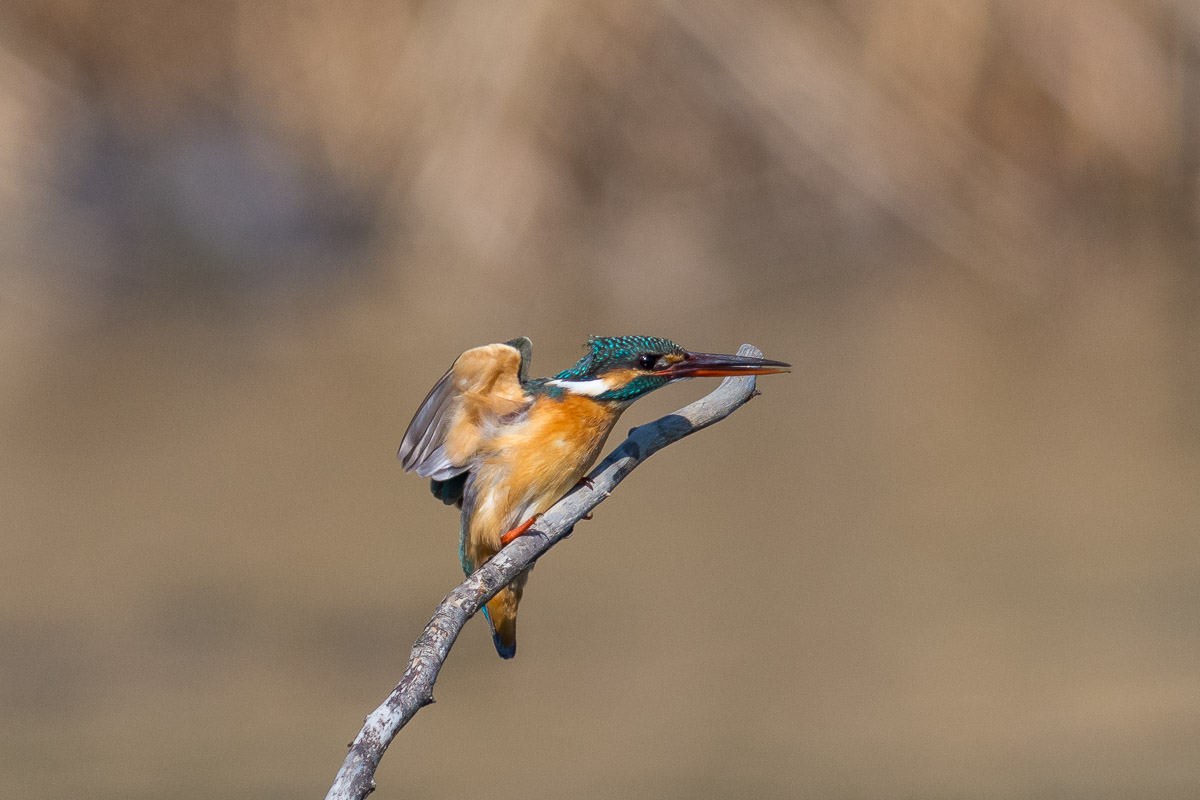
x,y
953,555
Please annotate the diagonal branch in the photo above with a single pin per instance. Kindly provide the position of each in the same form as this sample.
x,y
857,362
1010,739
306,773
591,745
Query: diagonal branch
x,y
356,777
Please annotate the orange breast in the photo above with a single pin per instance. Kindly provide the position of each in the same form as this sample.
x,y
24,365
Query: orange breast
x,y
528,467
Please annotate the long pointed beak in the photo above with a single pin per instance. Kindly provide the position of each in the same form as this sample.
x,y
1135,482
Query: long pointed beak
x,y
718,365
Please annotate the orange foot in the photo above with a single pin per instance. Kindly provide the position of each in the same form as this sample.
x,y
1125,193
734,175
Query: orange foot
x,y
520,529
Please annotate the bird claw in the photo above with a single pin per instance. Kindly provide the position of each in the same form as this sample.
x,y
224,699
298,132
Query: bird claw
x,y
586,481
520,530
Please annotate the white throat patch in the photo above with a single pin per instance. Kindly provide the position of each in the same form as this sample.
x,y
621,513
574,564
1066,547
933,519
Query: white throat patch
x,y
592,388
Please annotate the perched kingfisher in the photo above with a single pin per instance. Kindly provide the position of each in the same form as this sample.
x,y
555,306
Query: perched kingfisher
x,y
505,447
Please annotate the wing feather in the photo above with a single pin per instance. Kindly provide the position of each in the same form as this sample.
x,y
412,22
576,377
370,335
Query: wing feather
x,y
482,390
428,426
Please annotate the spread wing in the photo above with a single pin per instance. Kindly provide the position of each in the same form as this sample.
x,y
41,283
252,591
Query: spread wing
x,y
482,390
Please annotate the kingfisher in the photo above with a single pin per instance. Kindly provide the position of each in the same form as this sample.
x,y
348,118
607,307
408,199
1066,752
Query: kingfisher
x,y
504,447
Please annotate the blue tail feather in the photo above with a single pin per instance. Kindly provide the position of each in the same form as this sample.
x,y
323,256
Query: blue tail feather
x,y
504,650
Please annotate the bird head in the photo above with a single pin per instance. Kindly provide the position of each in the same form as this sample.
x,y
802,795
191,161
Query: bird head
x,y
620,369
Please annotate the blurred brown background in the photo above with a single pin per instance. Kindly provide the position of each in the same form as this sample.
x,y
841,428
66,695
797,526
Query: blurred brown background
x,y
953,555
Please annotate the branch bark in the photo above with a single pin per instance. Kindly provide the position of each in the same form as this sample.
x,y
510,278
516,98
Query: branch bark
x,y
356,778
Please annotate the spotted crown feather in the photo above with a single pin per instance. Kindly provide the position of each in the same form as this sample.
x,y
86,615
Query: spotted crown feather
x,y
608,349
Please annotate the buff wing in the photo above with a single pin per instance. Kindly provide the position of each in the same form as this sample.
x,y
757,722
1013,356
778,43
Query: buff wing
x,y
479,393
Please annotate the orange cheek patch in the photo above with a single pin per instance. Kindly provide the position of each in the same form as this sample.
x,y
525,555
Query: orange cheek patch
x,y
618,378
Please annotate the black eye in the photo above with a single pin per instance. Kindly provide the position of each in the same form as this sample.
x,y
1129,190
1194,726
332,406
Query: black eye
x,y
647,361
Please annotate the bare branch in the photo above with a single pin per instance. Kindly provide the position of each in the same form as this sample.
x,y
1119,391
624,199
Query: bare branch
x,y
356,777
